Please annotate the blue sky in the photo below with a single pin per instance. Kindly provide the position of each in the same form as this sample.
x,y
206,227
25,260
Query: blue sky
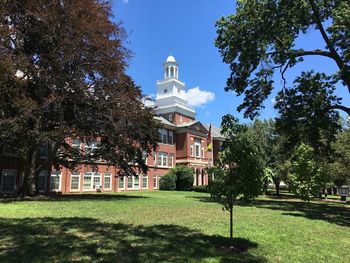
x,y
186,28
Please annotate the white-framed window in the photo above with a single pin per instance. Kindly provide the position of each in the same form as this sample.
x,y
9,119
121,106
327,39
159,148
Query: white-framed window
x,y
202,151
97,181
155,158
155,182
162,159
191,150
75,181
181,119
8,180
42,181
133,182
121,182
163,135
107,184
55,181
87,181
197,146
144,156
170,117
144,181
171,137
130,179
171,160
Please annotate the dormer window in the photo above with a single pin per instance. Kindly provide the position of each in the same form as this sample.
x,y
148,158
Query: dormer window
x,y
170,117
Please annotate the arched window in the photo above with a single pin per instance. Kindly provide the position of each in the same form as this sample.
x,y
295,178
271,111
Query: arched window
x,y
172,72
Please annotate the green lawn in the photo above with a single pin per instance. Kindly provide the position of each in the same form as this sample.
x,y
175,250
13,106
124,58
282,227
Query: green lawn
x,y
171,227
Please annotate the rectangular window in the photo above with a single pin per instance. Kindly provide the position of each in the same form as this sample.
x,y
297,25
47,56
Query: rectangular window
x,y
133,182
8,180
170,117
163,135
197,144
107,181
171,160
42,181
159,159
121,182
171,137
191,150
144,156
136,184
144,182
130,181
97,181
87,181
75,181
162,159
55,181
155,159
202,151
155,182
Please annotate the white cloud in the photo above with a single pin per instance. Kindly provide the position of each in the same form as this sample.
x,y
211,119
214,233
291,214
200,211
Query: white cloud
x,y
125,1
197,97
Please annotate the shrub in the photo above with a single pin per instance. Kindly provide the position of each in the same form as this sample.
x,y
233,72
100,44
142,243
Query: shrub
x,y
167,182
184,178
201,188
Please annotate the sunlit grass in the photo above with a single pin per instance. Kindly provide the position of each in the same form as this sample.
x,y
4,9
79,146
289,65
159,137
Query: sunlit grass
x,y
173,227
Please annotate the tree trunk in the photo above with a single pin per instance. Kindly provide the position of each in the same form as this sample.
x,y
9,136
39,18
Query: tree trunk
x,y
231,221
29,179
277,182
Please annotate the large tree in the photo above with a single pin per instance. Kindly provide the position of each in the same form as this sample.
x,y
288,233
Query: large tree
x,y
62,75
339,168
304,114
260,39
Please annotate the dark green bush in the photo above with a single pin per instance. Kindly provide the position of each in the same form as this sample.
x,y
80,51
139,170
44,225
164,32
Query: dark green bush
x,y
184,178
201,188
167,182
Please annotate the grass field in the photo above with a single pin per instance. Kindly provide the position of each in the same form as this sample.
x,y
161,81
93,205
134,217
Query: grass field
x,y
171,227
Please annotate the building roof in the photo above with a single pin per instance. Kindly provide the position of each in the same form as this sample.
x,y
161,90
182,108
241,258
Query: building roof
x,y
215,132
164,121
170,59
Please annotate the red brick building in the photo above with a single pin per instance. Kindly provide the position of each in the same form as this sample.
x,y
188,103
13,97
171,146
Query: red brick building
x,y
183,141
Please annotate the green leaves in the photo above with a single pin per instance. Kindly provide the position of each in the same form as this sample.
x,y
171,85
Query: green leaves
x,y
307,178
259,40
239,170
305,112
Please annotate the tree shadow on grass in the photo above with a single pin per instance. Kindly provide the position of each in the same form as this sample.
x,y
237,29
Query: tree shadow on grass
x,y
87,239
332,213
73,197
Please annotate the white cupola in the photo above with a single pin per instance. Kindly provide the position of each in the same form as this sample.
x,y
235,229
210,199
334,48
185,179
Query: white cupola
x,y
170,91
171,68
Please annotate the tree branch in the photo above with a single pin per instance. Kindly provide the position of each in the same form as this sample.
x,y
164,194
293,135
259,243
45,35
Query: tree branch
x,y
341,65
340,107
